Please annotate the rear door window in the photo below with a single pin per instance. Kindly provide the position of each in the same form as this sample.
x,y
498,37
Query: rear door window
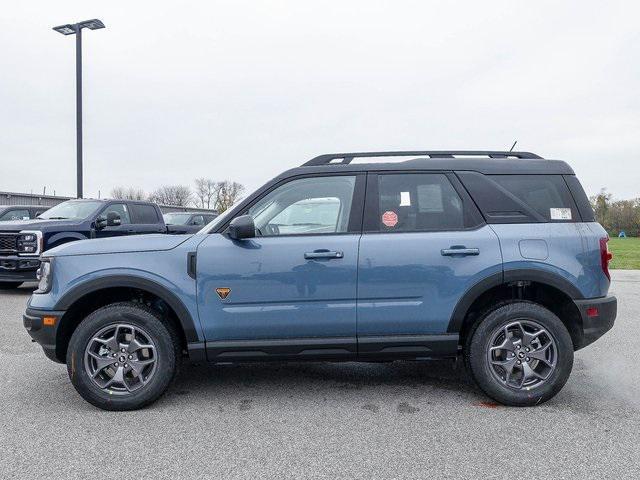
x,y
547,195
143,214
410,202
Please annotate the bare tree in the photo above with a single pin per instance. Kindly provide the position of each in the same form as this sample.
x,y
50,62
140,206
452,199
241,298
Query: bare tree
x,y
178,195
228,193
128,193
206,191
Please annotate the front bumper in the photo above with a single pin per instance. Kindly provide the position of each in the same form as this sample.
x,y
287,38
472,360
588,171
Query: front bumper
x,y
45,335
18,269
598,316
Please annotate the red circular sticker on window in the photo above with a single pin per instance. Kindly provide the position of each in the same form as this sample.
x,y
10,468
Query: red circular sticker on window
x,y
390,219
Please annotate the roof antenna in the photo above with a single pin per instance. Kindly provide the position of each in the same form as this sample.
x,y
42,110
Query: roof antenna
x,y
513,146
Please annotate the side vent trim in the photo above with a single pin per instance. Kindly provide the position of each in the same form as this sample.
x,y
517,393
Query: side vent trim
x,y
192,264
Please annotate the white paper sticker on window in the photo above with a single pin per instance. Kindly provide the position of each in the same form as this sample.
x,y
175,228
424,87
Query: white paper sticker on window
x,y
560,213
405,199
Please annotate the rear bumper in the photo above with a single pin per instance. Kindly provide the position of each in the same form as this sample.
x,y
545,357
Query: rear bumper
x,y
43,334
598,317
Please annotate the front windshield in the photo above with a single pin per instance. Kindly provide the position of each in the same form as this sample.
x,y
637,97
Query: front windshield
x,y
176,218
71,210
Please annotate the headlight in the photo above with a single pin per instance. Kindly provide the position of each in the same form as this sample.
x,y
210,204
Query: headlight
x,y
29,243
44,275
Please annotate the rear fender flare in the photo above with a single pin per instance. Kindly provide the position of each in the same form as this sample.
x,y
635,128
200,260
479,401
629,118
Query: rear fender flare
x,y
538,276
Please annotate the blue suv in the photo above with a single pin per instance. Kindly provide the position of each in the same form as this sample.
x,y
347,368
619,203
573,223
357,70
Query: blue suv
x,y
494,256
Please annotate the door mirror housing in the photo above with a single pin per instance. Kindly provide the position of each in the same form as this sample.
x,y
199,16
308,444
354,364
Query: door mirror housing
x,y
111,219
242,227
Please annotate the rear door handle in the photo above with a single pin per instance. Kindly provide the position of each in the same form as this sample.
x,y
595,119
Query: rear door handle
x,y
323,254
459,250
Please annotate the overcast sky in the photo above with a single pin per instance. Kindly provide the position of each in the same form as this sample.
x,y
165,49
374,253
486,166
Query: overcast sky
x,y
243,90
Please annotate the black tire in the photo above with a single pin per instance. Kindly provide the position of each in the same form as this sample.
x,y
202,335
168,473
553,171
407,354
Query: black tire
x,y
9,285
479,342
167,347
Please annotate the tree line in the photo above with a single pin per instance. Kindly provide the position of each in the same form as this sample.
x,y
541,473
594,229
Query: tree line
x,y
207,193
617,215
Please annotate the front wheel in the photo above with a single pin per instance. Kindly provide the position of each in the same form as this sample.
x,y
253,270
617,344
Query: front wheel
x,y
122,357
520,354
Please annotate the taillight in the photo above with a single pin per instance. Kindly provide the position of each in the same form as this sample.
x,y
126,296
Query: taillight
x,y
605,256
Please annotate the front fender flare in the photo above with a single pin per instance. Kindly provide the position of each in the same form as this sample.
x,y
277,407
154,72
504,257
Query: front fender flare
x,y
184,317
63,237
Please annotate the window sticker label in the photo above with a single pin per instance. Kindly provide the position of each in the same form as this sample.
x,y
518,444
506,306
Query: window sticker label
x,y
405,199
560,213
390,219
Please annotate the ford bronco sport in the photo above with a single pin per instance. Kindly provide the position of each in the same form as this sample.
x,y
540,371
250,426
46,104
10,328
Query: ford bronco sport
x,y
494,256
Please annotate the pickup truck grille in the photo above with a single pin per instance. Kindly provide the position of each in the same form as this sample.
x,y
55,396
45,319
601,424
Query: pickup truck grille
x,y
8,242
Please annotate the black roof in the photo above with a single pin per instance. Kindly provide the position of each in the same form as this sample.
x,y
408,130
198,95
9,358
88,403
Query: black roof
x,y
110,200
487,162
6,207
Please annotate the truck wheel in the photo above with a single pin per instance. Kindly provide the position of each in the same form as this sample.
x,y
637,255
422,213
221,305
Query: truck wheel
x,y
520,354
9,285
123,357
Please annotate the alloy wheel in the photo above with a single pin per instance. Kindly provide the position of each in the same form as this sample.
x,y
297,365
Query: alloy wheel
x,y
522,354
120,358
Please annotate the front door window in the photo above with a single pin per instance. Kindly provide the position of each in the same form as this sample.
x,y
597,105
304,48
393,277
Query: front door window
x,y
306,206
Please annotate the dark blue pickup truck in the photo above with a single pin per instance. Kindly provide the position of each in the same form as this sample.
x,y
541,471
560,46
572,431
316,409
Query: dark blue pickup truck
x,y
22,242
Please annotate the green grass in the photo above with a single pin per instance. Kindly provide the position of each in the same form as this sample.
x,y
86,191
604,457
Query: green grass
x,y
626,253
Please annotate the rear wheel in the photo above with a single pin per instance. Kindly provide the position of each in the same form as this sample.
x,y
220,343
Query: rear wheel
x,y
520,354
9,285
122,357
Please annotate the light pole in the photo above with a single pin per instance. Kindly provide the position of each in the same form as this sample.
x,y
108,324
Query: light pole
x,y
71,29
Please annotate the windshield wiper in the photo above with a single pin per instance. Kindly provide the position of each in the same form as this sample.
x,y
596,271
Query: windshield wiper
x,y
53,218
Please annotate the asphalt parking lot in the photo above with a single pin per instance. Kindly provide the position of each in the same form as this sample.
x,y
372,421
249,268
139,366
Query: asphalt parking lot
x,y
321,420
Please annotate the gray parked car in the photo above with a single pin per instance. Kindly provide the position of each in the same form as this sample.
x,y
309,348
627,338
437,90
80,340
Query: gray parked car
x,y
21,212
187,222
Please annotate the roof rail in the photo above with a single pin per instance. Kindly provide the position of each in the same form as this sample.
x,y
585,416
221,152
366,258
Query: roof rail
x,y
347,158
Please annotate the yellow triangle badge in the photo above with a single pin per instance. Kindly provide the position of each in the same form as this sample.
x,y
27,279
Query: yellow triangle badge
x,y
223,292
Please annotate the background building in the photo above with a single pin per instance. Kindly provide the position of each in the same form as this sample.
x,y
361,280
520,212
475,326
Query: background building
x,y
13,198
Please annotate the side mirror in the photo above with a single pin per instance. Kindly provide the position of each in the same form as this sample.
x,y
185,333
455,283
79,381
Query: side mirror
x,y
113,219
242,227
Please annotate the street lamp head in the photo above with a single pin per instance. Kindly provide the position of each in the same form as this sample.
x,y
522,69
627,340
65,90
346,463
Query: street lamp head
x,y
65,29
70,28
94,24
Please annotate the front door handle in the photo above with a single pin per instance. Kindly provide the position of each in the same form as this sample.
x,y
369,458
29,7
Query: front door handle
x,y
460,250
322,254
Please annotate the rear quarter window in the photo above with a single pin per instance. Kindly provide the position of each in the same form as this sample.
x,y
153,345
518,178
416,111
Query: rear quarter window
x,y
521,198
546,194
